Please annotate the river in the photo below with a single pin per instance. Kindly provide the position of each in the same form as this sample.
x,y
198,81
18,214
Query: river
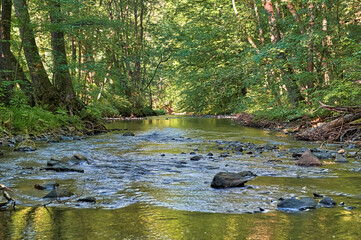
x,y
146,186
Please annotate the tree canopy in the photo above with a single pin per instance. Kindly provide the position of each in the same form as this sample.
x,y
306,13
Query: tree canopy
x,y
120,57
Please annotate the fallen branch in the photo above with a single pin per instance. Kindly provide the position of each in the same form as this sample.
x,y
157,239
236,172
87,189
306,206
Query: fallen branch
x,y
342,109
337,129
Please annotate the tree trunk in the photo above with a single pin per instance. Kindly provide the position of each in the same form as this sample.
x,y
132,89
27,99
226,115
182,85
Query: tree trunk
x,y
293,92
43,90
10,69
260,30
275,34
310,41
6,79
62,76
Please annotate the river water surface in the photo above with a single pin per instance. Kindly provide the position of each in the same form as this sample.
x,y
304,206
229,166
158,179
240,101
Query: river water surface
x,y
147,187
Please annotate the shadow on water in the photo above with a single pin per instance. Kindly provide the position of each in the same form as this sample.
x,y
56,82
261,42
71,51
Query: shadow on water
x,y
146,186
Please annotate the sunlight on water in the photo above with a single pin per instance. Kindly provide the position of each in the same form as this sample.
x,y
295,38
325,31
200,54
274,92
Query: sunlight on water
x,y
146,186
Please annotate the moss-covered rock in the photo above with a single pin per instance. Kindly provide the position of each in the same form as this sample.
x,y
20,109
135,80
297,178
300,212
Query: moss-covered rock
x,y
25,146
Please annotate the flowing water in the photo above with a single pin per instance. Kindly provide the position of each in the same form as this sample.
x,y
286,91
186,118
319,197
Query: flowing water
x,y
146,186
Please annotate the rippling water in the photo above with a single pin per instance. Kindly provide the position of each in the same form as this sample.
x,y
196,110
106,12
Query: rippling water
x,y
147,187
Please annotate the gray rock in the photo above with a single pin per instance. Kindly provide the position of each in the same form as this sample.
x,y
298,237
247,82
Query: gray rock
x,y
238,148
79,158
340,159
61,165
128,134
44,186
228,180
293,204
66,138
196,158
322,153
87,199
327,202
54,160
54,139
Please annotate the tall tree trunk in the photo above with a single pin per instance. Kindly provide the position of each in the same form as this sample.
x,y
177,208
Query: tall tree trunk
x,y
326,43
10,69
310,43
43,90
62,75
260,30
275,34
6,80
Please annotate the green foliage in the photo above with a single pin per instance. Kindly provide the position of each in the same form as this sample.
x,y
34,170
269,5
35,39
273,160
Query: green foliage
x,y
196,57
280,113
159,112
34,120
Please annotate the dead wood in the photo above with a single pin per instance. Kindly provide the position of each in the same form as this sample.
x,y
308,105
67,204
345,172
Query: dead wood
x,y
339,129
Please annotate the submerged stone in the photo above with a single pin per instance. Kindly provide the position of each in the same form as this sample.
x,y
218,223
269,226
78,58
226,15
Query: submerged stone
x,y
87,199
228,180
128,134
78,158
340,159
293,204
196,158
44,186
59,193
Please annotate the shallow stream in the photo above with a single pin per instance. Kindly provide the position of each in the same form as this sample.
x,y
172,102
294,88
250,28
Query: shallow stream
x,y
146,186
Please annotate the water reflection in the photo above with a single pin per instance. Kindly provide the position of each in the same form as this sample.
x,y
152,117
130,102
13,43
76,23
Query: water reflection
x,y
139,221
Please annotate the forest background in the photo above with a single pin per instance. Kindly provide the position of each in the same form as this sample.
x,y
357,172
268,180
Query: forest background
x,y
66,61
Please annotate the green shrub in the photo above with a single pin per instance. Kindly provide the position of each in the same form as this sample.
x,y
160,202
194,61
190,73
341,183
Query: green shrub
x,y
160,112
34,120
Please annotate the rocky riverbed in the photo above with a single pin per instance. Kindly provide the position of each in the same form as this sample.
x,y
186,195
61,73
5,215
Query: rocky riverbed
x,y
173,166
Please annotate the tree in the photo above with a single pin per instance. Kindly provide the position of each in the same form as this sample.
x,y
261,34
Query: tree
x,y
11,72
62,77
43,89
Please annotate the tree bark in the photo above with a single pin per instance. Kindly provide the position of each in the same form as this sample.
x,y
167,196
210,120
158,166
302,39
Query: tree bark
x,y
260,30
43,90
6,80
275,34
63,82
293,92
11,71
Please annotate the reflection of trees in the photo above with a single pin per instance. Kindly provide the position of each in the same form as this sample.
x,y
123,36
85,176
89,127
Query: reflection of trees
x,y
139,221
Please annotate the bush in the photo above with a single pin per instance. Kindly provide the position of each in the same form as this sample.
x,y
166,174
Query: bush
x,y
160,112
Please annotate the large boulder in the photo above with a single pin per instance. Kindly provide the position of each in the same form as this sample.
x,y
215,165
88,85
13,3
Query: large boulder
x,y
307,159
228,180
25,146
293,204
